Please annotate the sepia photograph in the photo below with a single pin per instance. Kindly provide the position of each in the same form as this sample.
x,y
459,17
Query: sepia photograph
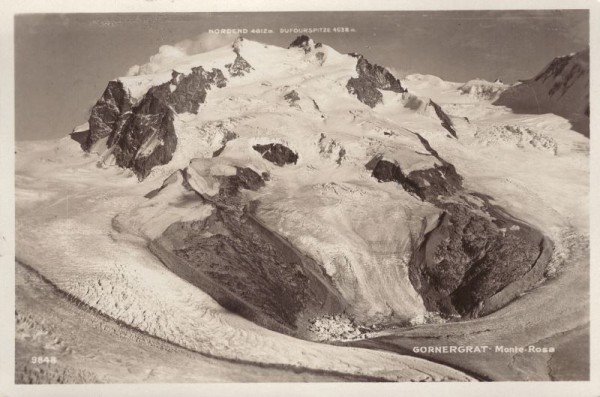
x,y
303,196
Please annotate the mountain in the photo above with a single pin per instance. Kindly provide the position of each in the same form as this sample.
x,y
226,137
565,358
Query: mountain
x,y
562,87
483,89
141,133
245,202
133,122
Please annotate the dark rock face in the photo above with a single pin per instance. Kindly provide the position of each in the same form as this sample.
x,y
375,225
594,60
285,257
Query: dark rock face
x,y
371,78
246,267
386,171
469,257
142,136
277,153
192,89
248,270
426,184
445,119
152,123
292,96
301,42
379,75
366,92
441,180
244,178
107,112
239,67
474,252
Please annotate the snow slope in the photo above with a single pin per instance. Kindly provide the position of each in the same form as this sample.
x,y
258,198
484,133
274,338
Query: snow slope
x,y
562,88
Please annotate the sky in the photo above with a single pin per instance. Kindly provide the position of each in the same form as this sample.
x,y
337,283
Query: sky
x,y
63,62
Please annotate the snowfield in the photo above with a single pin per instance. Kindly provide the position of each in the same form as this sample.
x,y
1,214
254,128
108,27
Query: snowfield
x,y
83,227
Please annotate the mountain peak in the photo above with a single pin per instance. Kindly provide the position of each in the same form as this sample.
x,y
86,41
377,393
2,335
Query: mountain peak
x,y
304,42
562,88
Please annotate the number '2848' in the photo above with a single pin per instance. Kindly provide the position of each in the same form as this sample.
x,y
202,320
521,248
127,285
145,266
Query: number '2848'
x,y
43,360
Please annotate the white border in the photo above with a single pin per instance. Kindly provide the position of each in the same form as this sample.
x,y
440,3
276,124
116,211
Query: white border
x,y
7,277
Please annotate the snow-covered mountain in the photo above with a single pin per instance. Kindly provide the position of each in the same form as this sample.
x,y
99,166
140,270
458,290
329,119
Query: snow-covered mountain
x,y
562,87
483,89
232,199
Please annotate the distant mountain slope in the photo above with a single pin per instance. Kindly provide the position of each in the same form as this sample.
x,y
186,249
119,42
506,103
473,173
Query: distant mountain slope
x,y
561,88
483,89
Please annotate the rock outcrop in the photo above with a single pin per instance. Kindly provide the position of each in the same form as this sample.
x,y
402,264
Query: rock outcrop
x,y
246,267
240,66
372,78
473,253
277,153
292,97
444,118
142,136
106,113
304,42
475,250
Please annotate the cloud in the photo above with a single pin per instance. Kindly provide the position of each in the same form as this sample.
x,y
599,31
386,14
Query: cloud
x,y
399,73
168,54
205,42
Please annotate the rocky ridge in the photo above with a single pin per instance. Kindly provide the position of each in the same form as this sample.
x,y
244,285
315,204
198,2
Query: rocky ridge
x,y
562,87
476,249
372,78
246,267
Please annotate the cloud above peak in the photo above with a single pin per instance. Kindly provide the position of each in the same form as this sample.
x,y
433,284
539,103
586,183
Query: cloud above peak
x,y
169,54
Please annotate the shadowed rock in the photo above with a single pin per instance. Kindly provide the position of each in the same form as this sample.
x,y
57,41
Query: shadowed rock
x,y
277,153
426,184
192,89
239,67
475,250
244,178
292,96
386,171
303,42
148,139
244,266
107,112
473,253
371,78
142,136
445,119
